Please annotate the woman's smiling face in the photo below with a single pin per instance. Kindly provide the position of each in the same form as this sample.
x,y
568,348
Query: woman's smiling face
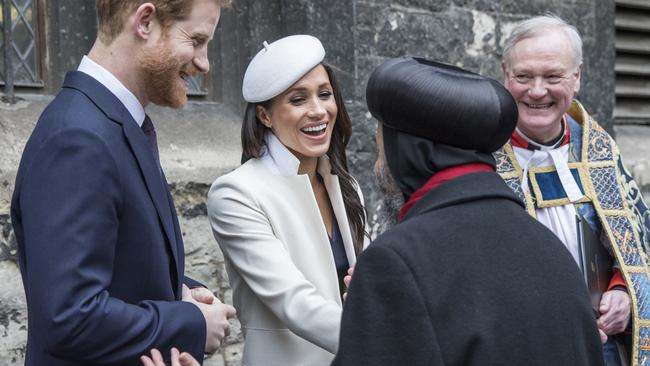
x,y
303,116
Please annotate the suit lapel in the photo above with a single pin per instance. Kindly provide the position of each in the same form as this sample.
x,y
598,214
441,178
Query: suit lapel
x,y
154,179
176,233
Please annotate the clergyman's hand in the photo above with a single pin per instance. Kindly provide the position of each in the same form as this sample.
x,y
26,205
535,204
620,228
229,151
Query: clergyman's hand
x,y
178,359
615,309
216,320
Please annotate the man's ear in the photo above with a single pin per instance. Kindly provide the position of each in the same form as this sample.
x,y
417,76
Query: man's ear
x,y
263,115
143,20
576,87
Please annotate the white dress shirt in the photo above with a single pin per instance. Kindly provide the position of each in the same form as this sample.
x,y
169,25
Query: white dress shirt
x,y
97,72
559,219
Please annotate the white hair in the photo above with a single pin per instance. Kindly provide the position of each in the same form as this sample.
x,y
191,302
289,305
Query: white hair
x,y
538,26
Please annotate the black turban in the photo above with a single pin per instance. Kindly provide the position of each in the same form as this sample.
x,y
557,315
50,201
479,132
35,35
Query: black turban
x,y
436,116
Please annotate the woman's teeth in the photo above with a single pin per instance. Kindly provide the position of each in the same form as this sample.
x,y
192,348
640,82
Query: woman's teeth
x,y
314,129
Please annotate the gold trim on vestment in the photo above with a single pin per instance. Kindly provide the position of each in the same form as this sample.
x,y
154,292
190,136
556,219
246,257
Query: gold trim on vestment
x,y
517,174
539,198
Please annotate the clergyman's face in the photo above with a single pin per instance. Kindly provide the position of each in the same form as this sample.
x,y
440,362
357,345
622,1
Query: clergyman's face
x,y
542,77
180,53
391,195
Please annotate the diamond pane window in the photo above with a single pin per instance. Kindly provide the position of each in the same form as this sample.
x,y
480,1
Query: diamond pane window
x,y
23,52
196,85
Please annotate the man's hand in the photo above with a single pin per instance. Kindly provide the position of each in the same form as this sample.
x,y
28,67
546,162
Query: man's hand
x,y
615,311
202,294
216,320
178,359
603,336
346,280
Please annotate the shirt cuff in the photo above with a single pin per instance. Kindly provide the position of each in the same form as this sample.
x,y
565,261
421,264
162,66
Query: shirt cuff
x,y
617,281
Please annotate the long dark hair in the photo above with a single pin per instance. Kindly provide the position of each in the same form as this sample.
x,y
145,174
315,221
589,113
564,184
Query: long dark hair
x,y
253,145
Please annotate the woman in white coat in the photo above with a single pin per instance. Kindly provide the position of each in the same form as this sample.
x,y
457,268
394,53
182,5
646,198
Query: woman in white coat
x,y
290,220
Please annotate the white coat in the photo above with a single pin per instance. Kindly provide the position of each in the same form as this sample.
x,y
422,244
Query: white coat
x,y
279,259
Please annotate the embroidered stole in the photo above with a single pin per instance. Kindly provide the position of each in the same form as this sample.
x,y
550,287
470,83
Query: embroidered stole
x,y
598,176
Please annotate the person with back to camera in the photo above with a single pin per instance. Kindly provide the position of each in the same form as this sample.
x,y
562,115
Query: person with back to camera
x,y
290,220
465,278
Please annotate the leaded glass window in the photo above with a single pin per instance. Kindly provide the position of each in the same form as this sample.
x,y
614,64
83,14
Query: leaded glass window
x,y
24,50
197,85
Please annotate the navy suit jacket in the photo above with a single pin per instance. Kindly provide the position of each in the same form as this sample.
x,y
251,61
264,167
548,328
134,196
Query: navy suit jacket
x,y
100,249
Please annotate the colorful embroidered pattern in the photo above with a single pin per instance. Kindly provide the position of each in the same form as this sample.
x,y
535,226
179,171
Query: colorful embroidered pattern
x,y
503,160
640,281
607,191
599,145
644,346
622,232
513,184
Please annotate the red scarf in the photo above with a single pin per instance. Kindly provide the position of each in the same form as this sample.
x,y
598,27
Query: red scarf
x,y
441,177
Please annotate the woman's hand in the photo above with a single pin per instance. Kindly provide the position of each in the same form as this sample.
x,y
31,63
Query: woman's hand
x,y
346,280
178,359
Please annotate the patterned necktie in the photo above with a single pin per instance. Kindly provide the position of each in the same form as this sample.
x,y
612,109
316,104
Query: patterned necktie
x,y
150,133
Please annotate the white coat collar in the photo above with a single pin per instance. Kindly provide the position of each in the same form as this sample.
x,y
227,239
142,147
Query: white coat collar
x,y
280,161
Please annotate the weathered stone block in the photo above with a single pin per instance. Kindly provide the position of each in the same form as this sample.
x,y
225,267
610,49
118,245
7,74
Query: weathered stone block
x,y
532,7
216,359
13,315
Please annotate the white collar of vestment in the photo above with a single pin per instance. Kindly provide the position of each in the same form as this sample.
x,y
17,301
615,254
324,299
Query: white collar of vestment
x,y
280,161
103,76
559,158
536,158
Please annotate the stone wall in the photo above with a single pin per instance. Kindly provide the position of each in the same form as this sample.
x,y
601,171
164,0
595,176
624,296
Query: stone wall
x,y
201,142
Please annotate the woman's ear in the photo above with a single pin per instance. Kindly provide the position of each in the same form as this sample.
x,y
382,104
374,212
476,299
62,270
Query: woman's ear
x,y
264,116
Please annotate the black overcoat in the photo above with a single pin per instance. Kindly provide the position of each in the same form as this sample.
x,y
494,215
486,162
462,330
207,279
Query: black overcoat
x,y
468,278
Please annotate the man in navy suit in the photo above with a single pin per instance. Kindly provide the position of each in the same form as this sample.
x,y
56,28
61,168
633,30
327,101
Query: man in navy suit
x,y
101,252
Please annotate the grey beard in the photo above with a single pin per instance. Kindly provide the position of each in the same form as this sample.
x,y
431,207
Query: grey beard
x,y
391,201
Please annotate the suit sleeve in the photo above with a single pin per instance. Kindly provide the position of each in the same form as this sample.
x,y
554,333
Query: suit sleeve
x,y
385,321
192,283
70,206
245,236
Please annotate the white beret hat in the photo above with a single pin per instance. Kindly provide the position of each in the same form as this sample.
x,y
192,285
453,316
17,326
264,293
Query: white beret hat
x,y
279,65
